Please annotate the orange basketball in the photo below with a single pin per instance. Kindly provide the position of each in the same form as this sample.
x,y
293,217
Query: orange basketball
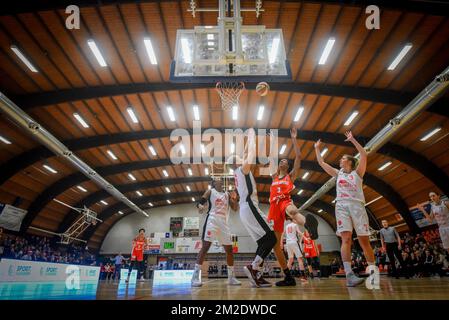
x,y
262,88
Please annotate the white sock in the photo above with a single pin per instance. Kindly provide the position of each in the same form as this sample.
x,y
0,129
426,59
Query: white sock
x,y
256,263
347,266
230,270
197,267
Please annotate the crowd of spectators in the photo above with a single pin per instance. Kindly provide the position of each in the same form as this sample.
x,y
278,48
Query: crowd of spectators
x,y
423,254
36,248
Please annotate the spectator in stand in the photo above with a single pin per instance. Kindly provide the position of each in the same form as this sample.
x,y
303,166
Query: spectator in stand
x,y
428,264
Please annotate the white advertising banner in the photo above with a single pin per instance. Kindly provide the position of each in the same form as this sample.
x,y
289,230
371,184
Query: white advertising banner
x,y
12,270
191,223
172,277
11,217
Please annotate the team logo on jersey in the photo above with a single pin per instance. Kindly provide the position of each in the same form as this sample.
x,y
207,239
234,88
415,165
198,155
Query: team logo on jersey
x,y
339,222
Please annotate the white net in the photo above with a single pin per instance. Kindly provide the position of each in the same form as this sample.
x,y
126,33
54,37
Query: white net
x,y
229,93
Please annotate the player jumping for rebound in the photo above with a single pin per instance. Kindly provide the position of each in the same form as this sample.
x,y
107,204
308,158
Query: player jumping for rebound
x,y
139,244
216,228
250,214
350,211
281,205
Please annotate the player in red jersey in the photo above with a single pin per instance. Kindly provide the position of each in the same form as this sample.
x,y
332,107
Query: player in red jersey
x,y
139,244
282,204
311,253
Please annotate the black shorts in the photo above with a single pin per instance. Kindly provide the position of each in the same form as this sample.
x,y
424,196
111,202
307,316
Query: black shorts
x,y
313,261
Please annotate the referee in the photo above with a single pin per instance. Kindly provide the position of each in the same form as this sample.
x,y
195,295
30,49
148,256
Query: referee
x,y
391,242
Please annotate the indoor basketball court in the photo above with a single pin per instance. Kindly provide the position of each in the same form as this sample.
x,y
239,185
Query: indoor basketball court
x,y
224,150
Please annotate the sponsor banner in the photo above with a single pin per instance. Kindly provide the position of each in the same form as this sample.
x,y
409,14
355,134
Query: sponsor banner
x,y
191,223
33,271
11,217
168,245
172,277
184,245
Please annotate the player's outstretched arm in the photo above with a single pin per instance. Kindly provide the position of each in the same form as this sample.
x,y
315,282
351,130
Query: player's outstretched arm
x,y
429,217
361,168
250,157
274,169
297,164
201,204
329,169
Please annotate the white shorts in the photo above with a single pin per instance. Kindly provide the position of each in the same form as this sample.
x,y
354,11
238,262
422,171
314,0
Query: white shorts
x,y
254,221
293,250
217,229
444,235
351,215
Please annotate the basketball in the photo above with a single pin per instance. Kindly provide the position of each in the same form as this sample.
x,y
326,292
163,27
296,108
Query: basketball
x,y
262,89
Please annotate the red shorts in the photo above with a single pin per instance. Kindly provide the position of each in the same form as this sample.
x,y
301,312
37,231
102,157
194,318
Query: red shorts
x,y
137,255
277,213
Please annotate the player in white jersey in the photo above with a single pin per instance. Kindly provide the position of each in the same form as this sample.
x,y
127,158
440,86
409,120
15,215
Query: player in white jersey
x,y
216,228
350,211
251,216
293,236
439,211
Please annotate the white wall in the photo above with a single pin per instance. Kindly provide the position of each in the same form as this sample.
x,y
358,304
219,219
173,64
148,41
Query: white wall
x,y
121,234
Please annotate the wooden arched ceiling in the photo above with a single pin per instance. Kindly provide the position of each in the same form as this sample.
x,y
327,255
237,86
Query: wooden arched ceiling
x,y
355,78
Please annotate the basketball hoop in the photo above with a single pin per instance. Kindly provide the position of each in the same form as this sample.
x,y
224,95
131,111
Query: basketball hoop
x,y
229,93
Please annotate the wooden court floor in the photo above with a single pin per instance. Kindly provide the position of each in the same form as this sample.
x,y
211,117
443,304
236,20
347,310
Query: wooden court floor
x,y
316,289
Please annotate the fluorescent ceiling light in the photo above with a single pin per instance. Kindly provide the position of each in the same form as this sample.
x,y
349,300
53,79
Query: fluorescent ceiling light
x,y
260,113
132,114
153,152
81,189
235,113
431,133
50,169
112,155
189,171
188,188
231,171
139,193
24,59
210,43
171,114
324,151
321,210
333,201
168,201
186,50
210,36
232,147
374,200
104,202
298,114
274,50
206,171
132,177
305,175
167,189
327,50
300,191
165,172
120,212
203,148
146,214
150,50
284,146
150,204
351,118
4,140
384,166
209,187
81,120
193,199
93,47
196,113
400,56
